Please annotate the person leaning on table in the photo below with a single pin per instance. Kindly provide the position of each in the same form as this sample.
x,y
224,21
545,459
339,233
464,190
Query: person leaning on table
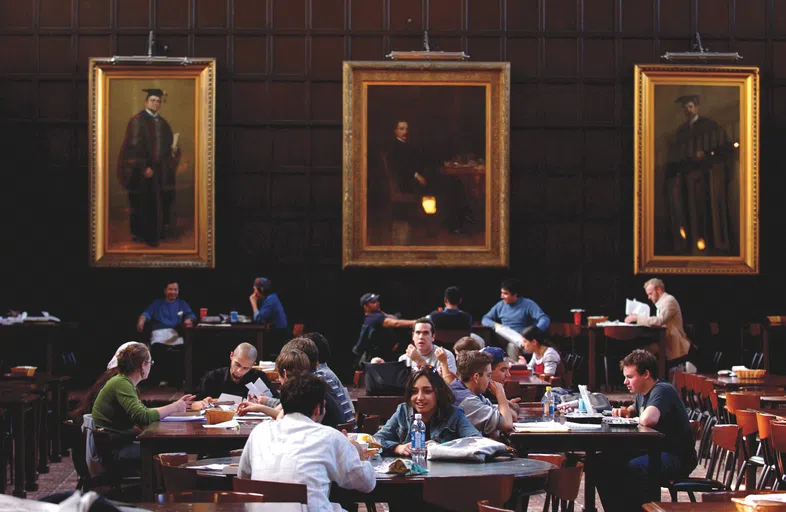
x,y
119,411
623,479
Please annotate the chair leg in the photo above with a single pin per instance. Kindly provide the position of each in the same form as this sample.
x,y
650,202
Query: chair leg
x,y
673,494
692,497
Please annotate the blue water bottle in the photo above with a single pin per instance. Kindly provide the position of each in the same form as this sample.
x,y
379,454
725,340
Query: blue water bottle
x,y
418,439
233,317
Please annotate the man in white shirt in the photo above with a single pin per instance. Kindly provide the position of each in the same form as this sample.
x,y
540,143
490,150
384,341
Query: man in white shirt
x,y
669,315
422,352
297,449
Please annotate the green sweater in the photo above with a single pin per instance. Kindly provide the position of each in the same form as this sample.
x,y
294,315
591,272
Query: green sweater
x,y
118,408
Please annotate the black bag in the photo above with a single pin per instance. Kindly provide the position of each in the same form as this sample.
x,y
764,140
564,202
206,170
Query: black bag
x,y
386,379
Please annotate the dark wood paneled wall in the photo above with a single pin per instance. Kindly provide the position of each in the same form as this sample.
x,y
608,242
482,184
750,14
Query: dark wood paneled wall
x,y
278,161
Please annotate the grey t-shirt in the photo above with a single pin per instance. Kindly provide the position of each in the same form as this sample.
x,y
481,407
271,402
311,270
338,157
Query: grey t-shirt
x,y
673,422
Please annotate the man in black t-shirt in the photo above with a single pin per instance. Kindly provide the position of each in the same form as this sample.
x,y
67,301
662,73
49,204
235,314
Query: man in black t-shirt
x,y
623,480
451,317
230,379
376,339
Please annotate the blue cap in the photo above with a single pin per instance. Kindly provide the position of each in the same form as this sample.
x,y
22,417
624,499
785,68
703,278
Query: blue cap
x,y
496,353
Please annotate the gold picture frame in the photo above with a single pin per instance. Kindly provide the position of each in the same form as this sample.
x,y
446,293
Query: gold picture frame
x,y
440,197
152,205
696,160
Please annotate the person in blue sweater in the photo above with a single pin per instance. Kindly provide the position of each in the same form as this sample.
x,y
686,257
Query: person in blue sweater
x,y
515,312
167,316
270,312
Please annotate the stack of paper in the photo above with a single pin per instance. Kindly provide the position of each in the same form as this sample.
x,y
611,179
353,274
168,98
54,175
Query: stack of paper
x,y
510,335
540,426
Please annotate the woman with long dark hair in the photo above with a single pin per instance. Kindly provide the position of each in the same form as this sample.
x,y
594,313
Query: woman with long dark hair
x,y
427,394
545,359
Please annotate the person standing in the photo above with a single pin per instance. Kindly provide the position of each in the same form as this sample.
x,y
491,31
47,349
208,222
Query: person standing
x,y
146,168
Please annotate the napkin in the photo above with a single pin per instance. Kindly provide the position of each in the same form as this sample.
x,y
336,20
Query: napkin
x,y
226,424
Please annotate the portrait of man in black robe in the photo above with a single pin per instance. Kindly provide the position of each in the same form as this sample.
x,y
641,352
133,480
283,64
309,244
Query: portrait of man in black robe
x,y
698,173
146,168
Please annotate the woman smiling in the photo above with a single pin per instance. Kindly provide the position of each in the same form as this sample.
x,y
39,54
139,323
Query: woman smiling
x,y
427,394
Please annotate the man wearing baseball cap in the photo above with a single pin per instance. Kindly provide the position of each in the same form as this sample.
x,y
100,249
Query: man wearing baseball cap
x,y
375,339
269,312
500,372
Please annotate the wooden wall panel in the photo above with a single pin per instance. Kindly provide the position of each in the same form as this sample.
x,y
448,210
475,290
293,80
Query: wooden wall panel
x,y
279,146
132,14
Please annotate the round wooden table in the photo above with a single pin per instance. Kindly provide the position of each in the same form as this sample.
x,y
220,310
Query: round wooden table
x,y
529,474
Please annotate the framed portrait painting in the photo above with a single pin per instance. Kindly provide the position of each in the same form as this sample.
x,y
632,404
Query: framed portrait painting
x,y
696,169
151,163
426,164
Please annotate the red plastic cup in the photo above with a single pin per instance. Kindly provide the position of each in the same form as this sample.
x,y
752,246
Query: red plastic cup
x,y
577,317
202,313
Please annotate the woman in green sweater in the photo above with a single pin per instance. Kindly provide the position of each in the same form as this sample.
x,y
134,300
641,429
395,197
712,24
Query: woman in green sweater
x,y
119,411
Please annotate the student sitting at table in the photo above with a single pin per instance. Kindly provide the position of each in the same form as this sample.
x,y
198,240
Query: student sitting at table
x,y
297,449
231,379
500,372
545,360
309,347
426,393
341,392
474,372
622,479
289,363
119,411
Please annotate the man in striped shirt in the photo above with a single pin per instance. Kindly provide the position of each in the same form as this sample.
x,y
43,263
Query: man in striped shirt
x,y
331,378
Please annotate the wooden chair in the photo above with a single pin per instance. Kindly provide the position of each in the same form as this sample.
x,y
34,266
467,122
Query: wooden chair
x,y
368,423
349,426
765,434
737,400
483,506
461,494
176,478
448,337
382,406
551,458
209,497
276,492
749,426
562,488
723,462
778,438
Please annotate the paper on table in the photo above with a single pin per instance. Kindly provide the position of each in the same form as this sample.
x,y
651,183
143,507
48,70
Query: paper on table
x,y
262,387
509,334
226,397
183,418
226,424
634,307
211,467
540,426
586,397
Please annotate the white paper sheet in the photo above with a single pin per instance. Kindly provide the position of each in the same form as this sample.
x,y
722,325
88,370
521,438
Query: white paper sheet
x,y
634,307
510,335
586,397
252,389
226,397
226,424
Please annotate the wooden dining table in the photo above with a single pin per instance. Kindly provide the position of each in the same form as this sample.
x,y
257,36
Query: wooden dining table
x,y
692,507
591,441
188,437
529,474
731,383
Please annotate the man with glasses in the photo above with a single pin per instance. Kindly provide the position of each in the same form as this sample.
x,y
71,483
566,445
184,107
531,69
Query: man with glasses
x,y
230,379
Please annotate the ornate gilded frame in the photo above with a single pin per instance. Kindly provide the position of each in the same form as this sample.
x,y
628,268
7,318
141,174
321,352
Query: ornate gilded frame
x,y
199,248
648,259
357,77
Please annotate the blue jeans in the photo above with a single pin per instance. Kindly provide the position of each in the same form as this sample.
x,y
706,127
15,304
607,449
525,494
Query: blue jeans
x,y
627,484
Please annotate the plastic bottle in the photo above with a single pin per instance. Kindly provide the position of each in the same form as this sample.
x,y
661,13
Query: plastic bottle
x,y
548,403
418,439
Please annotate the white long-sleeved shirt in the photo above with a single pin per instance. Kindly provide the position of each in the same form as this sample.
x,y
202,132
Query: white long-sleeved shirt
x,y
298,450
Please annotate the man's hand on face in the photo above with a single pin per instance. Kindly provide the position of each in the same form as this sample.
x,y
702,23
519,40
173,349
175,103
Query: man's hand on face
x,y
253,298
498,390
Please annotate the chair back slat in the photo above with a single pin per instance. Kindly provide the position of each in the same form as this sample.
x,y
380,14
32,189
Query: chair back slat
x,y
746,419
736,401
563,485
275,492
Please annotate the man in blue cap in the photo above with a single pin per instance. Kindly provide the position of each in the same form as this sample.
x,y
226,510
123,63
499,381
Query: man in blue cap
x,y
270,312
500,372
